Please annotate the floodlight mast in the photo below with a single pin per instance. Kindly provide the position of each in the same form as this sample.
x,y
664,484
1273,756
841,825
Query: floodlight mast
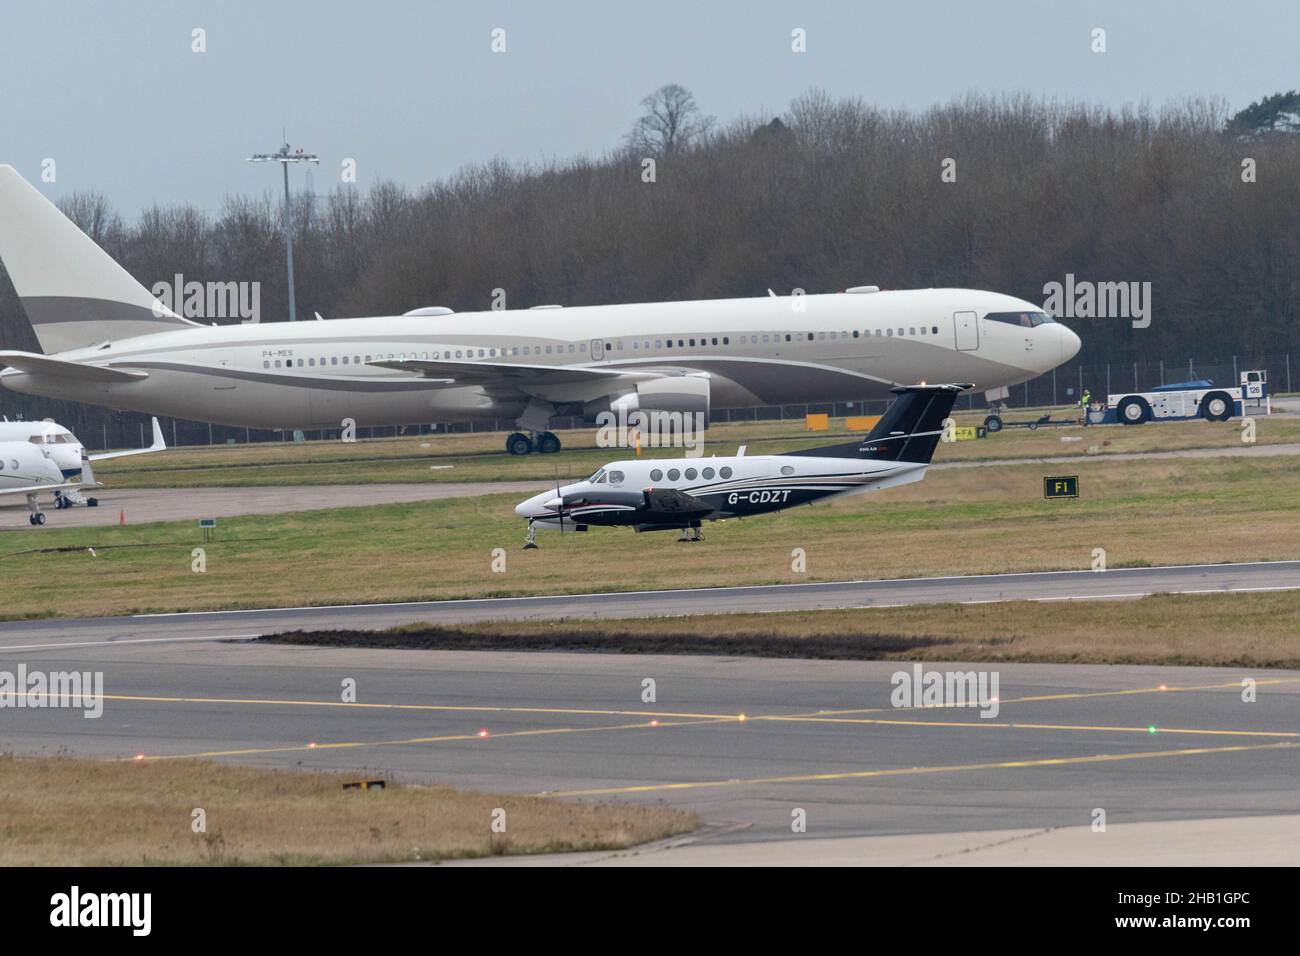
x,y
285,156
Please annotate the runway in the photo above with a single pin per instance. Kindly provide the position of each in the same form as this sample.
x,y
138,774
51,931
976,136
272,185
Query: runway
x,y
142,505
746,743
1122,583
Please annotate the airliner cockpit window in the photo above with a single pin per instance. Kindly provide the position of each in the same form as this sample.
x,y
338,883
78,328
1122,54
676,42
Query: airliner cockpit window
x,y
1024,319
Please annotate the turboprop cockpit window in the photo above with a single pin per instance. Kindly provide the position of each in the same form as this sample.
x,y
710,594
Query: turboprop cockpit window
x,y
615,477
598,476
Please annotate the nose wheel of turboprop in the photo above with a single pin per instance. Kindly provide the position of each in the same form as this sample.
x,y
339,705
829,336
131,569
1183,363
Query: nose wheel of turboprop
x,y
530,539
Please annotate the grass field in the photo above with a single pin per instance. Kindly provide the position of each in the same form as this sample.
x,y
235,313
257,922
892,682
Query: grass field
x,y
68,811
1211,630
959,521
479,457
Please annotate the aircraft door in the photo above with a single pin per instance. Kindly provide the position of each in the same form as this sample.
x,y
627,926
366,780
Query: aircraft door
x,y
966,326
598,349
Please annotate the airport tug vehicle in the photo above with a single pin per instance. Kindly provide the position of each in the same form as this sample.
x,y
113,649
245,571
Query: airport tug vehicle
x,y
1186,400
682,493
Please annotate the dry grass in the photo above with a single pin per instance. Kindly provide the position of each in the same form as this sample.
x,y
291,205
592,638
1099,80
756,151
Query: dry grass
x,y
958,521
67,811
1249,630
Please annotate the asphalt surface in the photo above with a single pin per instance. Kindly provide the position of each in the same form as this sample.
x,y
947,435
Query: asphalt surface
x,y
141,505
1040,586
744,742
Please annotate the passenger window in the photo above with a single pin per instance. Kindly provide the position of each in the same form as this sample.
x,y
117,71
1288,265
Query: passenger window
x,y
787,470
277,363
311,361
708,472
724,471
726,340
266,363
673,474
334,360
691,474
912,330
656,475
935,330
715,340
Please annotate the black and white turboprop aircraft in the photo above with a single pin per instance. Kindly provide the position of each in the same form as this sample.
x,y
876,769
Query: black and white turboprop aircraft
x,y
682,493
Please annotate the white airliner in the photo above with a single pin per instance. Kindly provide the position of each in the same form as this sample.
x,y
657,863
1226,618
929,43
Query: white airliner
x,y
36,457
108,341
682,493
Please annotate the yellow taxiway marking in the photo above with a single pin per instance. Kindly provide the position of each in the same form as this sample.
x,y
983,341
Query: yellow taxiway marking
x,y
409,741
990,724
911,771
444,708
1073,695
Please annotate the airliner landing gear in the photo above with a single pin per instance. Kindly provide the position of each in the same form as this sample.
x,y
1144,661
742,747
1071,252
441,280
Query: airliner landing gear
x,y
545,443
35,518
530,539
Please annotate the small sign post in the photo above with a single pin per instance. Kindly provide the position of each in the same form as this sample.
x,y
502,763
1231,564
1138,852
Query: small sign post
x,y
209,526
1061,486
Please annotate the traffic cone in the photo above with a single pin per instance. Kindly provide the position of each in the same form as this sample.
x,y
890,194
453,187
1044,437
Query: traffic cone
x,y
121,517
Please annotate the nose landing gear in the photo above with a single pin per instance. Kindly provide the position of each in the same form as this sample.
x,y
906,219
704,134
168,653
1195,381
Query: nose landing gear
x,y
530,539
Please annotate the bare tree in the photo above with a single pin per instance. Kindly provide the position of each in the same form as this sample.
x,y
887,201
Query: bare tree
x,y
672,122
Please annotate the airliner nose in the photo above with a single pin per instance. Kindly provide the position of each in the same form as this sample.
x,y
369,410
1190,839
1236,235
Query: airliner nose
x,y
1070,343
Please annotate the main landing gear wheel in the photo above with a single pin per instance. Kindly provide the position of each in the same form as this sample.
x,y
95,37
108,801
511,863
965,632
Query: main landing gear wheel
x,y
519,444
547,443
993,423
691,534
36,519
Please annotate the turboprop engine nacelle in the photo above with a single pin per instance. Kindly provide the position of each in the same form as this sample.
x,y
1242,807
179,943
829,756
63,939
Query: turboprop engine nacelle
x,y
684,394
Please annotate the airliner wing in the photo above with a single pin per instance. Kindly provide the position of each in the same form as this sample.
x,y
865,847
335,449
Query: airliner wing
x,y
62,368
510,373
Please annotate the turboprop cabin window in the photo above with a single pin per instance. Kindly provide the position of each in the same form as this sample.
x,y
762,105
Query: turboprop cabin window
x,y
724,471
673,474
656,475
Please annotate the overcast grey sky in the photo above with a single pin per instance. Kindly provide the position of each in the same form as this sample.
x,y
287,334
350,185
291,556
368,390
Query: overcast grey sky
x,y
112,91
